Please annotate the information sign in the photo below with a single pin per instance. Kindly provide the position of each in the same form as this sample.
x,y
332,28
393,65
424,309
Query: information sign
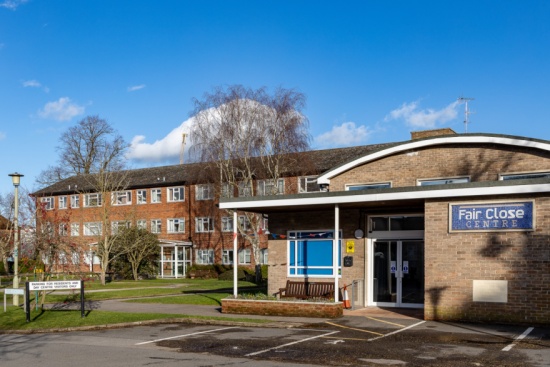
x,y
498,216
53,286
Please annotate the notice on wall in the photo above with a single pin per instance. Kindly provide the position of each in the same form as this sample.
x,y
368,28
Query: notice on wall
x,y
350,246
496,216
52,286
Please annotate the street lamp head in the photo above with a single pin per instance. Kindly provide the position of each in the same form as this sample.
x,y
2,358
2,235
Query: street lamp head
x,y
15,178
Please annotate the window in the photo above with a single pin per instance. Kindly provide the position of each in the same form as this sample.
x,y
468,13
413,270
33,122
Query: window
x,y
93,200
227,224
263,256
244,223
75,201
227,257
48,203
156,226
116,226
121,198
204,224
204,192
245,189
244,256
176,225
443,181
63,229
92,229
521,176
310,253
176,194
142,196
382,185
205,256
226,191
271,187
75,258
62,201
397,223
75,229
308,184
142,224
156,195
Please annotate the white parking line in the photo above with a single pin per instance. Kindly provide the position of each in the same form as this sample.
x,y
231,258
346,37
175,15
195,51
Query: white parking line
x,y
286,345
396,331
183,336
525,333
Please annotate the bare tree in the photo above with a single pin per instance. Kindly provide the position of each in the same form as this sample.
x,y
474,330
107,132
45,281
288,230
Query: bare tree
x,y
88,147
249,135
138,244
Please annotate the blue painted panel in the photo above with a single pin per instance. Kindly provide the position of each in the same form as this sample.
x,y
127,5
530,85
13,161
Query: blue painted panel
x,y
492,217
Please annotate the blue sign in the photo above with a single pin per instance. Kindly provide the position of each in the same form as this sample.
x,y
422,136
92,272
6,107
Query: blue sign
x,y
492,217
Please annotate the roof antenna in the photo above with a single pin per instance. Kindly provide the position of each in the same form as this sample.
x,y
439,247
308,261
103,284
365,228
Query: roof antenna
x,y
467,112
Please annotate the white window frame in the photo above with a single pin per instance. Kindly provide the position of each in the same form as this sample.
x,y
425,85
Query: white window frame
x,y
205,257
264,256
93,200
156,196
156,226
245,190
227,257
62,202
267,187
368,186
245,256
141,196
226,190
93,229
63,229
176,194
141,224
116,225
75,201
306,182
204,224
75,229
176,225
49,202
227,224
523,175
442,180
121,198
244,223
204,192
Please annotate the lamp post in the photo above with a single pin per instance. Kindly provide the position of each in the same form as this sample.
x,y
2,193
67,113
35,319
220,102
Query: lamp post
x,y
16,179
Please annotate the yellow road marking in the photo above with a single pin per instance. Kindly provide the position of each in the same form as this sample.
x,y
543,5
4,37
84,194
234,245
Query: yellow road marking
x,y
386,322
352,328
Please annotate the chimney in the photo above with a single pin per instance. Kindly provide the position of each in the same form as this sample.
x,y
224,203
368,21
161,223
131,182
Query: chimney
x,y
431,133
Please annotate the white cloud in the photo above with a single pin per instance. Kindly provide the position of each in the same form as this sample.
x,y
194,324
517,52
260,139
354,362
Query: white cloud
x,y
426,118
61,110
136,87
167,148
35,84
12,4
347,134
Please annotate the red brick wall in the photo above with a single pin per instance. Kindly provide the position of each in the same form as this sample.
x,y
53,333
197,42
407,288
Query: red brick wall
x,y
282,308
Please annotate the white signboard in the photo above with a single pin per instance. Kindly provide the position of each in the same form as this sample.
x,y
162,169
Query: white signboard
x,y
51,286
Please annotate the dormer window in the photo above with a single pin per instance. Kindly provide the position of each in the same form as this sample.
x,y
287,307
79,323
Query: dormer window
x,y
442,181
525,175
368,186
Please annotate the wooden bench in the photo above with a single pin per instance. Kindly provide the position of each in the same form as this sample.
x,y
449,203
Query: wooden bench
x,y
304,290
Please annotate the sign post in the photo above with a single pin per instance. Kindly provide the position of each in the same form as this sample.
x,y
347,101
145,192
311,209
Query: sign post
x,y
54,286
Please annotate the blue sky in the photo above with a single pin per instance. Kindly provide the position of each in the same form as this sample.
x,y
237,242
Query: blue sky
x,y
372,71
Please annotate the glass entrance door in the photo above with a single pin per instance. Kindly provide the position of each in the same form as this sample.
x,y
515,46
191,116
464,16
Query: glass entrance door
x,y
398,273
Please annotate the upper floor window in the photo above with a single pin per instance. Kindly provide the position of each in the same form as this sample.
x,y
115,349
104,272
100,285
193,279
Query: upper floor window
x,y
121,198
116,226
370,186
271,187
141,223
244,223
226,191
443,181
204,192
75,201
63,229
48,203
521,176
142,196
176,225
204,224
92,229
156,226
176,193
156,195
62,201
245,189
227,224
308,184
93,200
75,229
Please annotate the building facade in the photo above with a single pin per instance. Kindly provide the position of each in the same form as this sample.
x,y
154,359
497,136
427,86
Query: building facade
x,y
456,224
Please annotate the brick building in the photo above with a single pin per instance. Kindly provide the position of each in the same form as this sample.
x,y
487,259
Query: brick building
x,y
456,224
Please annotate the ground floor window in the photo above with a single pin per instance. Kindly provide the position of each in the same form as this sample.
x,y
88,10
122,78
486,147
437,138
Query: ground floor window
x,y
311,253
227,257
263,256
205,256
244,256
